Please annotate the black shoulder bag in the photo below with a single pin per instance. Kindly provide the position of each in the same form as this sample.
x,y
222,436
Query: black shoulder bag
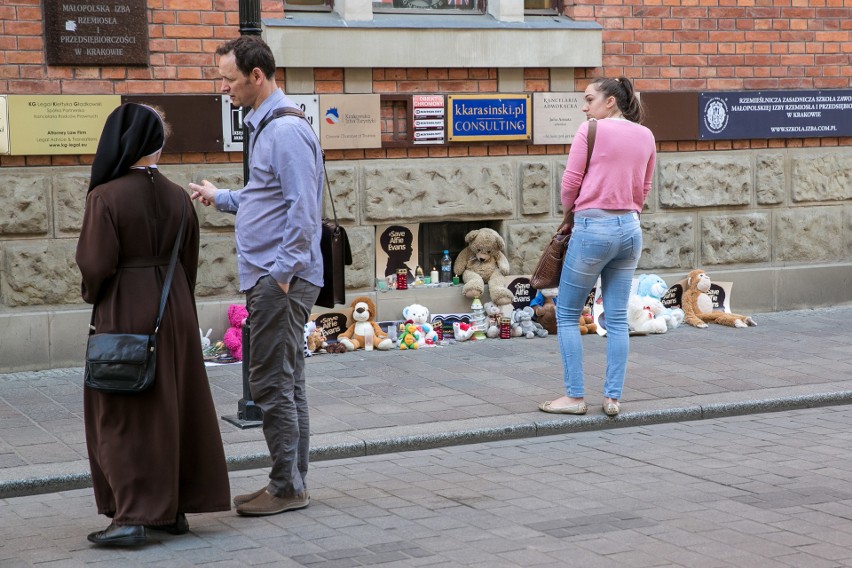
x,y
126,363
334,243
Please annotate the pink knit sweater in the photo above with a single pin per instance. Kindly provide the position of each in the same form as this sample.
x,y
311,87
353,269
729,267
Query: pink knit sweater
x,y
620,172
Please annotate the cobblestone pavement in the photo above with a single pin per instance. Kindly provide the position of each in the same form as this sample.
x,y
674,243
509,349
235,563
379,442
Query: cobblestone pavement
x,y
761,490
379,402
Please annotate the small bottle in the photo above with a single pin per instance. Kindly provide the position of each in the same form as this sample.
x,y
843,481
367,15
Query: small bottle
x,y
446,268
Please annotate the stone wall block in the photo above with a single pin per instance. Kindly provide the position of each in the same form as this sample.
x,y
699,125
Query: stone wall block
x,y
770,185
344,188
811,234
69,202
734,239
362,272
708,180
209,217
668,242
42,272
525,242
847,232
25,204
536,188
437,189
217,267
823,177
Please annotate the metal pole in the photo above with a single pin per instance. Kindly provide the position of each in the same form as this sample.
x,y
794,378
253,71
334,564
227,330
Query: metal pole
x,y
248,413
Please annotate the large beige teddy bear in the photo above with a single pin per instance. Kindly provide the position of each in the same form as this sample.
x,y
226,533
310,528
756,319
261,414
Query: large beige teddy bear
x,y
483,262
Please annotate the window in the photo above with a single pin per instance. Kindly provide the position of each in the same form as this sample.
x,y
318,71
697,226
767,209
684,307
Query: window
x,y
449,235
308,5
430,6
542,7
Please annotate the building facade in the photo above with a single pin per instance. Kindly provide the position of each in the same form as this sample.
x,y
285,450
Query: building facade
x,y
773,215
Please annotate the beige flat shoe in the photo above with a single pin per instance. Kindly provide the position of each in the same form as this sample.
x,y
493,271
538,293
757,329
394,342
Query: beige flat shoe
x,y
611,408
579,408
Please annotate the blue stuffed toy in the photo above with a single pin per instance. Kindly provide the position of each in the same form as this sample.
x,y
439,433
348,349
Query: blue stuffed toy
x,y
651,288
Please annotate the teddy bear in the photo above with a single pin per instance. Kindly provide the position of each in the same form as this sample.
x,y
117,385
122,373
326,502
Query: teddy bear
x,y
409,336
419,316
482,262
545,309
698,305
587,322
493,313
462,331
641,318
364,314
233,339
314,339
651,288
524,326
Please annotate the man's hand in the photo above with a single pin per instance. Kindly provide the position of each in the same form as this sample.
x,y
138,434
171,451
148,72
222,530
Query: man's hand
x,y
206,192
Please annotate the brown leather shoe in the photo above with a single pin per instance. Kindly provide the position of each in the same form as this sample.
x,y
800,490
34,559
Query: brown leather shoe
x,y
245,498
266,504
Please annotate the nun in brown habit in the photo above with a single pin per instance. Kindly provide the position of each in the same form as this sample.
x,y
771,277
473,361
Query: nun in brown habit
x,y
155,455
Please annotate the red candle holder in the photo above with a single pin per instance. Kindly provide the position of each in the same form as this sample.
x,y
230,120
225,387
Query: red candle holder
x,y
402,279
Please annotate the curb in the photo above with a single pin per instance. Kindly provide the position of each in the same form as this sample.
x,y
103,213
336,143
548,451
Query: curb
x,y
507,428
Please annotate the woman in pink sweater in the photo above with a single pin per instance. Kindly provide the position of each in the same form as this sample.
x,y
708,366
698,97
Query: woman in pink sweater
x,y
606,239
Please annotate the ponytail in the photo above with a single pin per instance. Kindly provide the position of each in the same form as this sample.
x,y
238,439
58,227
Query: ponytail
x,y
625,97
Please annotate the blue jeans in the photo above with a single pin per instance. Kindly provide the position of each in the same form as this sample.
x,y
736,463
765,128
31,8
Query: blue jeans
x,y
608,247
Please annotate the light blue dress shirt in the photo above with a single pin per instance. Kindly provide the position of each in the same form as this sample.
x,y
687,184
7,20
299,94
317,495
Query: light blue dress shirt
x,y
279,211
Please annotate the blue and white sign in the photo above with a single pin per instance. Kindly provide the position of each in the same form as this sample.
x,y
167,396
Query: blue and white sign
x,y
489,117
743,115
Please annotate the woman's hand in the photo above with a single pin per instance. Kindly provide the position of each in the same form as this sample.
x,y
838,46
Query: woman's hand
x,y
567,222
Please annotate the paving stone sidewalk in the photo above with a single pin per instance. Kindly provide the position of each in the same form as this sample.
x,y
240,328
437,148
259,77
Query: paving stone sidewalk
x,y
737,492
380,402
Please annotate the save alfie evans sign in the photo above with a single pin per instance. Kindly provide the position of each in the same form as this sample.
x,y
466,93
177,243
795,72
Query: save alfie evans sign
x,y
100,32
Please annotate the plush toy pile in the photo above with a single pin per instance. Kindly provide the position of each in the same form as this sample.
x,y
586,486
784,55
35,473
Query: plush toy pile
x,y
419,316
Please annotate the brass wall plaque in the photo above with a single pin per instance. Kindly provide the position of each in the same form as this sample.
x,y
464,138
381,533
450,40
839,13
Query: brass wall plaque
x,y
100,32
43,125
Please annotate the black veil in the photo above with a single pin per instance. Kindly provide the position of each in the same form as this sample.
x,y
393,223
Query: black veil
x,y
131,132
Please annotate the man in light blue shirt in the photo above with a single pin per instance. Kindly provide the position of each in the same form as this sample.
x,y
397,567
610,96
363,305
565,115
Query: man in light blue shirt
x,y
278,227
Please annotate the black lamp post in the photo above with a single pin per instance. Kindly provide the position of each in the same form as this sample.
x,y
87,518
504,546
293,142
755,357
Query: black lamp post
x,y
249,415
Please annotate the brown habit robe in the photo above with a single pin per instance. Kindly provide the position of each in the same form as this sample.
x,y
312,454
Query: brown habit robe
x,y
156,453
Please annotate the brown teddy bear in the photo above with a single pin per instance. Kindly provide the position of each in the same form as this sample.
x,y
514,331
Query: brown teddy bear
x,y
482,262
587,322
697,305
364,314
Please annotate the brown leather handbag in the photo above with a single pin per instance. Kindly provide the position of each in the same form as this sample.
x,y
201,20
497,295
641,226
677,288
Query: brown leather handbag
x,y
549,268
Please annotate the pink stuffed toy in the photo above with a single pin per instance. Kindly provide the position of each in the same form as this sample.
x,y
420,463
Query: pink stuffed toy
x,y
233,339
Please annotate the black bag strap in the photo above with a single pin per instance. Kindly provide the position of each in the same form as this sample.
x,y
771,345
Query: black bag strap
x,y
293,111
168,282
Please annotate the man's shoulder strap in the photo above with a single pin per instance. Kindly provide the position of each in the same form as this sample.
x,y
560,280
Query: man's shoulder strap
x,y
284,111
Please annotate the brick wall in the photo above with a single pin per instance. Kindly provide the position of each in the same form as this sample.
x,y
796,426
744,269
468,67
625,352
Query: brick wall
x,y
679,46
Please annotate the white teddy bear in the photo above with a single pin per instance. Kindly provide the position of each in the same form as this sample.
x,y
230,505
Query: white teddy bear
x,y
651,288
641,317
419,316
